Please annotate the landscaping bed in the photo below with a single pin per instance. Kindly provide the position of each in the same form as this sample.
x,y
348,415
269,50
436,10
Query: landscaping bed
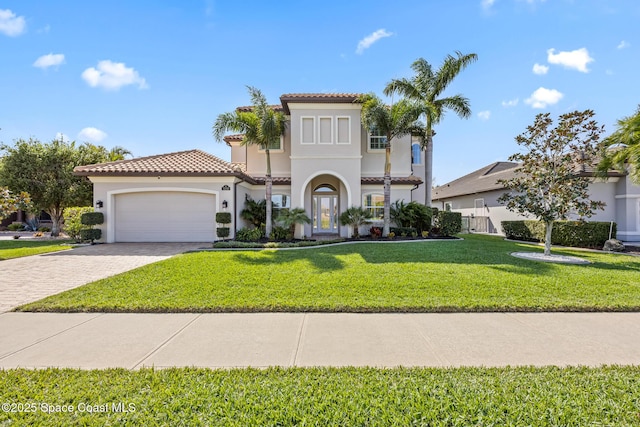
x,y
471,275
546,396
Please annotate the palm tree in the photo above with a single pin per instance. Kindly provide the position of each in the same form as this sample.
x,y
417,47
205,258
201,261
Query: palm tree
x,y
118,153
391,121
262,126
623,146
426,88
355,216
290,217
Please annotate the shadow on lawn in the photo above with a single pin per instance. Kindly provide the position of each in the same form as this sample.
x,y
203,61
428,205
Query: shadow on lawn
x,y
321,260
490,252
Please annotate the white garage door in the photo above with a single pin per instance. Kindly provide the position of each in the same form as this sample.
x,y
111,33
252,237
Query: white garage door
x,y
165,216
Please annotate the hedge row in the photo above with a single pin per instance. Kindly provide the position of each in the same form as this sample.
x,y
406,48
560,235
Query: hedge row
x,y
565,233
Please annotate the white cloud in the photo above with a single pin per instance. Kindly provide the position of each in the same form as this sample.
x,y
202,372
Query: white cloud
x,y
486,4
92,134
510,103
112,76
623,44
540,69
484,115
575,59
543,97
366,42
50,60
10,24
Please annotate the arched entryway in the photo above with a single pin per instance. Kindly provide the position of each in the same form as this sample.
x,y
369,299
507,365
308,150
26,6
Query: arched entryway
x,y
325,208
325,196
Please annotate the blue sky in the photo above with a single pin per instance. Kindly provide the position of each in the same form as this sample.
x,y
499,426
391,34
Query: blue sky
x,y
152,76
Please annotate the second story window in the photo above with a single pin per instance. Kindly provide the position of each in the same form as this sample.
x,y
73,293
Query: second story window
x,y
276,145
416,154
377,141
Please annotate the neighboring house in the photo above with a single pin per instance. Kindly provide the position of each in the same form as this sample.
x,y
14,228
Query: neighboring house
x,y
325,163
476,196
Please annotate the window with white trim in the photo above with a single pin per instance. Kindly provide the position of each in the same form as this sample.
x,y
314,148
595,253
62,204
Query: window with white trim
x,y
275,146
448,206
377,141
374,203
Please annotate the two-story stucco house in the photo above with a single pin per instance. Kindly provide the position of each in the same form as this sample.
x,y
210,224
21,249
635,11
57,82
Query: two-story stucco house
x,y
326,162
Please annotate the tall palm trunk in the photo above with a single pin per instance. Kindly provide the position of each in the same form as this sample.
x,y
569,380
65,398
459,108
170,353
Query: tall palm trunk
x,y
428,168
268,190
387,188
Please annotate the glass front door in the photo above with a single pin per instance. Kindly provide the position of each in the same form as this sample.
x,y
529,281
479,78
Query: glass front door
x,y
325,214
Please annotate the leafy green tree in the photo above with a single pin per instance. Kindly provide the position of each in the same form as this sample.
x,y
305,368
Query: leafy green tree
x,y
393,122
356,217
622,148
290,217
45,171
262,126
10,202
550,183
426,88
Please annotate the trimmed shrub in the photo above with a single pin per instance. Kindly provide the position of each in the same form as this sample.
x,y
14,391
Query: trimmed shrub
x,y
92,218
375,232
582,234
223,217
249,234
91,234
450,223
72,222
223,232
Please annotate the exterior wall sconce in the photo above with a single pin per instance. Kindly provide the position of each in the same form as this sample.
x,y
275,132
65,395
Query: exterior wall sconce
x,y
225,204
99,204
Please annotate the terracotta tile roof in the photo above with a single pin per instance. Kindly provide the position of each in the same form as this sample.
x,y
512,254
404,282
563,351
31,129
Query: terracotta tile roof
x,y
329,98
486,179
183,163
235,137
397,180
276,180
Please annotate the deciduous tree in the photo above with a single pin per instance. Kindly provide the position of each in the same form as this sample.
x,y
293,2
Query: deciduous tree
x,y
551,183
45,172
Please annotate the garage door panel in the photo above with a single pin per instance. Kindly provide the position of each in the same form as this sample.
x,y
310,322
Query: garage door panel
x,y
165,216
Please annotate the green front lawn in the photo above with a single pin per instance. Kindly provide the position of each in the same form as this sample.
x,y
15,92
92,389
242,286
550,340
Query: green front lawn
x,y
476,274
605,396
19,248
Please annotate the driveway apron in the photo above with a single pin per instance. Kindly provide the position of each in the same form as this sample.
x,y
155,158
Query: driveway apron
x,y
28,279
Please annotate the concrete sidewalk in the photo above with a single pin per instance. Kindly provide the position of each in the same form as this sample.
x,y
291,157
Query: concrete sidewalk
x,y
94,340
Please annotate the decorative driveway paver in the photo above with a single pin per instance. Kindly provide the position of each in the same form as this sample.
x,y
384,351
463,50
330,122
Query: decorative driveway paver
x,y
28,279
